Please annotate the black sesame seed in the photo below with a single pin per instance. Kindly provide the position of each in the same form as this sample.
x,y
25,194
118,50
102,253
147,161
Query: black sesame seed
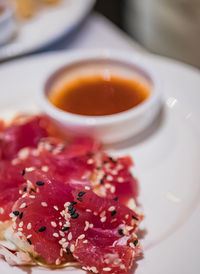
x,y
39,183
72,211
80,199
112,160
70,207
68,251
102,181
16,213
75,215
135,218
115,199
105,176
23,172
42,228
81,193
135,242
25,189
113,212
29,241
64,229
20,215
73,203
120,231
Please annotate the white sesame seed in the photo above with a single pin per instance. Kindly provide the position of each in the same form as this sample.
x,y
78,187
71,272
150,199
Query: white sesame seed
x,y
61,252
66,204
114,172
32,196
87,187
112,189
93,269
95,213
20,229
2,211
107,261
88,210
72,248
29,169
86,225
29,226
85,241
65,245
70,236
21,224
45,168
53,224
120,180
44,204
126,216
103,213
109,178
122,266
62,241
106,269
23,205
58,261
107,186
60,224
131,245
23,153
90,161
56,208
11,215
29,236
117,261
111,208
62,234
55,235
103,219
91,225
24,195
82,236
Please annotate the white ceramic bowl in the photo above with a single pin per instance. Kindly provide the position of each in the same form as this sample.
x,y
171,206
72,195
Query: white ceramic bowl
x,y
108,128
8,25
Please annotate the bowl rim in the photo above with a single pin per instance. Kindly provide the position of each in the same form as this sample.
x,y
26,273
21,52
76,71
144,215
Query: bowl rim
x,y
134,59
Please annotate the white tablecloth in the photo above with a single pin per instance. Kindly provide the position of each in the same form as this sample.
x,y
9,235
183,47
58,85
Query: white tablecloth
x,y
97,32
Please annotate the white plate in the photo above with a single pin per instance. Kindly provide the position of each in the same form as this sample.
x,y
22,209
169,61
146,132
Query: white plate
x,y
46,27
167,158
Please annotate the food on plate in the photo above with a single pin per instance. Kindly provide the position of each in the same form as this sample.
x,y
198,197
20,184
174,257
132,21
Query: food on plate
x,y
65,201
112,95
27,8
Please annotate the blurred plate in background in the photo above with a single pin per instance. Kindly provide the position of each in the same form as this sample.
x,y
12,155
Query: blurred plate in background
x,y
46,27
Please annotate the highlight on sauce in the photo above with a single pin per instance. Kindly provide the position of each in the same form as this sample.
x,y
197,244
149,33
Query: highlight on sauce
x,y
97,96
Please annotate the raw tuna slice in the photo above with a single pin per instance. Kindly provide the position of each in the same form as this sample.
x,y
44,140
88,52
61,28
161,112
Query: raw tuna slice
x,y
99,232
21,134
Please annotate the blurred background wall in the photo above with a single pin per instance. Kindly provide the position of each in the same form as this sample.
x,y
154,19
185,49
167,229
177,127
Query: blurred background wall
x,y
166,27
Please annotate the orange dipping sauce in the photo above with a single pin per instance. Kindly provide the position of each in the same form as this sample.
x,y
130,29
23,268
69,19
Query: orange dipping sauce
x,y
96,96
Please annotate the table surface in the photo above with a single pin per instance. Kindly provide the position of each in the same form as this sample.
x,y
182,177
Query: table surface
x,y
97,32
